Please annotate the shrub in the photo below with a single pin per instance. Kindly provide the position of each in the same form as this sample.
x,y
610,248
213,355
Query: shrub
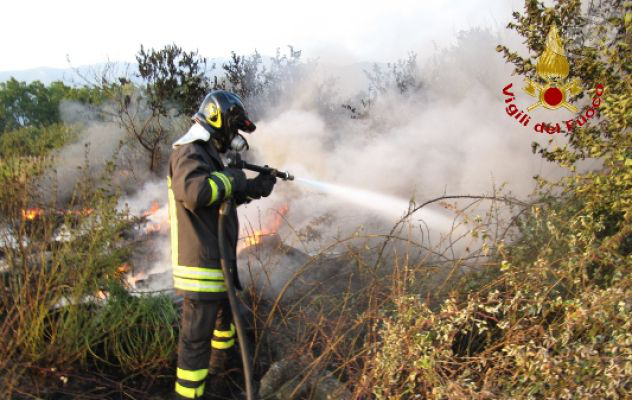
x,y
554,321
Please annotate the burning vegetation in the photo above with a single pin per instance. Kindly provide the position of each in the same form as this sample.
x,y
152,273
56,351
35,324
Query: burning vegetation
x,y
339,306
32,213
254,237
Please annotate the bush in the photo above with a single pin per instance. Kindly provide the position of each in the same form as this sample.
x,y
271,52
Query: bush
x,y
34,141
138,335
554,320
62,304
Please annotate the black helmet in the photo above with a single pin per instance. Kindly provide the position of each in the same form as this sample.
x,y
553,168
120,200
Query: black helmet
x,y
222,114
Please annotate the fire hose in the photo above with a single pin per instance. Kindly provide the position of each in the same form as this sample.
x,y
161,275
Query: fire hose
x,y
232,298
237,162
228,277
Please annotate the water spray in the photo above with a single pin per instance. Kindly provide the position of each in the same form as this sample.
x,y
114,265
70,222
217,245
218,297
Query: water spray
x,y
390,206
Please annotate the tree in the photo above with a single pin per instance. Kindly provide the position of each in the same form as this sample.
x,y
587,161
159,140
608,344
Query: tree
x,y
244,75
400,77
173,78
37,105
174,84
145,125
553,320
24,104
607,192
258,86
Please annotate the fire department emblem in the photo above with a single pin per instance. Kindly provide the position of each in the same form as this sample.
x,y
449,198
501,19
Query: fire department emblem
x,y
552,68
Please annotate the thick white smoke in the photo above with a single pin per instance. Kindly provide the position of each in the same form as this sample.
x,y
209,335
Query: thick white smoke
x,y
452,137
96,144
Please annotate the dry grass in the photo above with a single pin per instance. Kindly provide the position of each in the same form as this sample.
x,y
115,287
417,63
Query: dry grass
x,y
330,315
64,313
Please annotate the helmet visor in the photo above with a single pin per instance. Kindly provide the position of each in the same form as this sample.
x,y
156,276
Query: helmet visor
x,y
246,125
239,120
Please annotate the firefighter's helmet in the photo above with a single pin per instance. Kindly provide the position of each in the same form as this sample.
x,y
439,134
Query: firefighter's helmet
x,y
223,114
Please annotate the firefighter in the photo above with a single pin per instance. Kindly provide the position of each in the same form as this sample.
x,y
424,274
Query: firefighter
x,y
198,183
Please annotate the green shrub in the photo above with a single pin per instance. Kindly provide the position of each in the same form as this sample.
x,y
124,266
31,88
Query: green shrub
x,y
62,303
138,332
555,320
35,141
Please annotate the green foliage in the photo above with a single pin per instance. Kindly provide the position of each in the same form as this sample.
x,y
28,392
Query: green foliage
x,y
22,105
62,302
261,87
555,319
138,334
173,78
36,104
35,141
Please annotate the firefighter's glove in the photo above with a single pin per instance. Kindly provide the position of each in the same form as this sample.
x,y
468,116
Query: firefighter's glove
x,y
260,186
237,179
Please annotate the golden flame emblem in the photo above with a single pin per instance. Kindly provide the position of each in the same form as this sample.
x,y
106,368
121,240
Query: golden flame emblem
x,y
552,67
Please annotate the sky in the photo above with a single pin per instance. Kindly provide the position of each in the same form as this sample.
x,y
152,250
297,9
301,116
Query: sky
x,y
47,33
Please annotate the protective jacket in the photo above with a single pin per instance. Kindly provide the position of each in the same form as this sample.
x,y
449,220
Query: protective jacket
x,y
196,189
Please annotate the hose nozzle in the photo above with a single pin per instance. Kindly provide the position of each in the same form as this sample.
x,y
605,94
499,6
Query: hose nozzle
x,y
286,176
241,164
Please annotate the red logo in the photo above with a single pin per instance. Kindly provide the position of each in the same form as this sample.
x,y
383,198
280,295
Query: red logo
x,y
552,90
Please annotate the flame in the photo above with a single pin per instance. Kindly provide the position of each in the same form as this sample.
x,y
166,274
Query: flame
x,y
126,272
123,268
552,63
257,236
153,228
253,239
32,213
155,206
156,221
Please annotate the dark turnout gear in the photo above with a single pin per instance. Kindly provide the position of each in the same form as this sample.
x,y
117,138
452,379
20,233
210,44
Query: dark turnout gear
x,y
206,328
197,185
237,178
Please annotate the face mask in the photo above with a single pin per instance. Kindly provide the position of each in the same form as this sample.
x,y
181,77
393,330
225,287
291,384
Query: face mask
x,y
239,143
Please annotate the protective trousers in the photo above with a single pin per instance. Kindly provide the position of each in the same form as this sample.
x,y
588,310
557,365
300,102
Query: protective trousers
x,y
205,325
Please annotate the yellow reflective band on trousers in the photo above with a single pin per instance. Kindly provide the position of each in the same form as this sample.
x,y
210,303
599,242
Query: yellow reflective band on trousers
x,y
228,187
214,191
193,285
173,223
198,273
216,344
225,334
193,376
190,393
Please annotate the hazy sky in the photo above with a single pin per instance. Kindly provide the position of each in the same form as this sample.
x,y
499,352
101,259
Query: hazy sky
x,y
43,33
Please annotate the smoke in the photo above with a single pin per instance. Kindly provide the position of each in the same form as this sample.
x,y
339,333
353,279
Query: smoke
x,y
97,142
452,136
106,135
